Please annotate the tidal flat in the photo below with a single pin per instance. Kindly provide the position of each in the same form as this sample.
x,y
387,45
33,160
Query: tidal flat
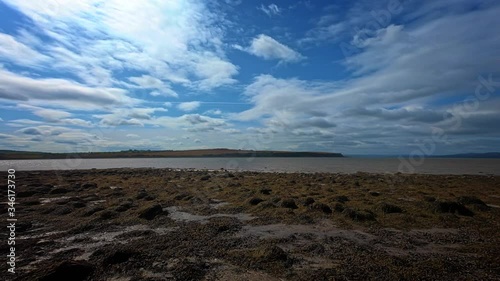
x,y
168,224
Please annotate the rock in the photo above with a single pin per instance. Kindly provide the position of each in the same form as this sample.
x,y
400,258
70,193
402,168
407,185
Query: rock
x,y
308,201
183,196
223,224
92,211
150,213
315,248
106,215
142,194
429,199
265,191
267,205
196,200
271,254
44,189
358,215
59,190
322,207
275,199
32,202
469,200
205,178
289,203
69,270
374,193
480,207
339,207
64,210
119,256
62,201
79,204
451,207
26,193
341,198
188,270
89,185
388,208
23,226
124,206
255,201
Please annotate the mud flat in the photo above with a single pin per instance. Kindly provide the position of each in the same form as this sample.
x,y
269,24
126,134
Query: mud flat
x,y
165,224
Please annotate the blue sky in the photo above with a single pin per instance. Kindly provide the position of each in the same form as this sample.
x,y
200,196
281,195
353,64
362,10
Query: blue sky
x,y
357,77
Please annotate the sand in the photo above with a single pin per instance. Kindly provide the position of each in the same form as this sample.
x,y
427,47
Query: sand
x,y
166,224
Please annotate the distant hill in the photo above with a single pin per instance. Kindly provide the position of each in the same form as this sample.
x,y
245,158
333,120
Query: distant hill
x,y
471,155
219,152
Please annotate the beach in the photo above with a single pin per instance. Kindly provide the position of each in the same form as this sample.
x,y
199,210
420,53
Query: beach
x,y
175,224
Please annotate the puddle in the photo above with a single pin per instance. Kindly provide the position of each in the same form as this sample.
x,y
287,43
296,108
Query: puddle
x,y
430,248
216,204
120,278
42,235
434,231
96,202
324,229
94,241
177,215
44,201
109,236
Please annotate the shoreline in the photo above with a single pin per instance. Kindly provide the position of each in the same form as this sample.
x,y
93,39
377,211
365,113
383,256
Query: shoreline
x,y
294,165
148,223
361,173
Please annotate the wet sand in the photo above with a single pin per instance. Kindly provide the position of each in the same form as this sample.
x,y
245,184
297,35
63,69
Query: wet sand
x,y
165,224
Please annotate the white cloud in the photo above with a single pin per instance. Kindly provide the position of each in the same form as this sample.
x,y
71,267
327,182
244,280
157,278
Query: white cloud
x,y
179,41
214,73
128,116
19,53
270,10
189,106
59,92
399,83
46,113
132,136
149,82
213,112
45,130
266,47
76,122
329,32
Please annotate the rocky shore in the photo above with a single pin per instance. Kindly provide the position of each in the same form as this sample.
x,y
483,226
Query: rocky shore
x,y
166,224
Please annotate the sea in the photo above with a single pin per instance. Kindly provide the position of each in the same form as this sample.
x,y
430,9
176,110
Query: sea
x,y
454,166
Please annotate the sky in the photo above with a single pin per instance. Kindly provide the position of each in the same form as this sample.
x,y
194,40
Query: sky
x,y
355,77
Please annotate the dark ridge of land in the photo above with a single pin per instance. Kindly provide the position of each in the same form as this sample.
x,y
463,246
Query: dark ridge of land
x,y
168,224
471,155
219,152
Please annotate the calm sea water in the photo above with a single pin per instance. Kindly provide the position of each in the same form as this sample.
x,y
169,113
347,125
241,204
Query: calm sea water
x,y
332,165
